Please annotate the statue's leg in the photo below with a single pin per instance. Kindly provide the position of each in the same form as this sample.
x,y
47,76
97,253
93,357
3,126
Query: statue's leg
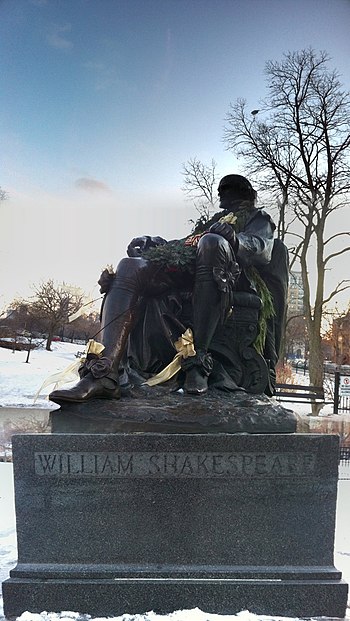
x,y
216,271
100,375
119,307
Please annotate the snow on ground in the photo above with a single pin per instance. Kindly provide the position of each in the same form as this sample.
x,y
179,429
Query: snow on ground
x,y
19,383
20,380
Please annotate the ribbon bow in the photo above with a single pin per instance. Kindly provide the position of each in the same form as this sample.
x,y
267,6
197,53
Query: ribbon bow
x,y
185,348
70,373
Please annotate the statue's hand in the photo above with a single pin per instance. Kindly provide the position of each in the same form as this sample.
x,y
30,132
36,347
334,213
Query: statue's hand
x,y
225,230
105,281
138,245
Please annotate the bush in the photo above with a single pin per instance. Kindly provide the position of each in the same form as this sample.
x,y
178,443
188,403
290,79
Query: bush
x,y
284,373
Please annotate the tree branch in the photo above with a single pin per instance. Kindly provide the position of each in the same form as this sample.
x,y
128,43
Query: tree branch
x,y
334,236
337,290
335,254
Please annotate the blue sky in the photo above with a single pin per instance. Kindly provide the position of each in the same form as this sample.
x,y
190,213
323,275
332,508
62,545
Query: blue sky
x,y
103,100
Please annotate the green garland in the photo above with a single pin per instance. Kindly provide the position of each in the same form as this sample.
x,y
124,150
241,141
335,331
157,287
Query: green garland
x,y
176,255
267,310
173,255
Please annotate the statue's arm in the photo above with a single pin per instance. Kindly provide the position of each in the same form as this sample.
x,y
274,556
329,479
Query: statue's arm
x,y
135,249
225,230
254,245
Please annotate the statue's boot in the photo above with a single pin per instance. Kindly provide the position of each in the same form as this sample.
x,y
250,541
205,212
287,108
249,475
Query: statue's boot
x,y
101,374
89,387
215,266
206,314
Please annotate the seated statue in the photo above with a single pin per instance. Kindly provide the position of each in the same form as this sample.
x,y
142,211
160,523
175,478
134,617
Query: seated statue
x,y
227,281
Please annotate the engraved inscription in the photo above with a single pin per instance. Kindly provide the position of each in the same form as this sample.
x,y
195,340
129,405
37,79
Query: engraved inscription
x,y
100,464
218,465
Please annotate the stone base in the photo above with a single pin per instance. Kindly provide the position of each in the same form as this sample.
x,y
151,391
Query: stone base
x,y
159,410
292,598
126,523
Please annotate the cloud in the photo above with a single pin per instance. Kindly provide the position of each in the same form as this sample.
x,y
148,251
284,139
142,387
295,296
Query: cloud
x,y
91,185
57,37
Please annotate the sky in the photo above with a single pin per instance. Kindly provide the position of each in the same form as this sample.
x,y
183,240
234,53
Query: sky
x,y
102,101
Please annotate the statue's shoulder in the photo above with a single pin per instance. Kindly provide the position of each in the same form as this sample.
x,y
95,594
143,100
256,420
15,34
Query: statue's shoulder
x,y
262,214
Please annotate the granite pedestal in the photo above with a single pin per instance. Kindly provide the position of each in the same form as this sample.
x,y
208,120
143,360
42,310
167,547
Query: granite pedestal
x,y
125,523
159,410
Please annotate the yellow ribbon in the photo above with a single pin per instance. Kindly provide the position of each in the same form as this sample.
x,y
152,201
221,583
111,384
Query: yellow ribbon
x,y
229,219
185,348
70,373
80,311
194,239
93,347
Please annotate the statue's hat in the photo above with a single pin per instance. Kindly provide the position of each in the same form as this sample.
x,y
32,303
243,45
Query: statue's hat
x,y
240,183
236,180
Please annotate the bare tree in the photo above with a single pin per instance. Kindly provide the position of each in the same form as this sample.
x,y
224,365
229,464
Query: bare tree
x,y
200,186
54,304
84,327
17,320
3,195
300,152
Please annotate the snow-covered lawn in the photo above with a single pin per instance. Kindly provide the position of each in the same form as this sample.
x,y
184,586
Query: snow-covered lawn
x,y
20,380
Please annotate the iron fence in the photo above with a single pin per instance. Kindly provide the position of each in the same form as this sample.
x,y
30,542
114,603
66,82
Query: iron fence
x,y
344,463
341,401
344,456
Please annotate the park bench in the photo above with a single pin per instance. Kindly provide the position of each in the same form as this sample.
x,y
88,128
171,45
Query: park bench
x,y
298,393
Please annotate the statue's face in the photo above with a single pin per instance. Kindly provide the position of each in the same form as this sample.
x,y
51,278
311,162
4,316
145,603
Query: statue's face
x,y
229,197
234,190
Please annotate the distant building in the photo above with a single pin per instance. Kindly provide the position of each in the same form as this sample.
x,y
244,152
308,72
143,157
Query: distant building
x,y
295,330
341,339
295,294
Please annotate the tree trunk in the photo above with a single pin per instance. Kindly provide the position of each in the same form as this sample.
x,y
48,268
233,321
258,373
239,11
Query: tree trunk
x,y
316,370
49,340
315,364
282,354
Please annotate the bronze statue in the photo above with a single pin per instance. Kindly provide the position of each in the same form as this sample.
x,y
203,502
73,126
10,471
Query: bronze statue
x,y
162,288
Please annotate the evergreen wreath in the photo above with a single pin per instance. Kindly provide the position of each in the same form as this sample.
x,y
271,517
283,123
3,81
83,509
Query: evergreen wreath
x,y
173,256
